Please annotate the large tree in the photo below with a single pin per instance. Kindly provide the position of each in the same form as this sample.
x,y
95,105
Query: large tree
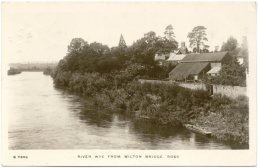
x,y
144,49
230,46
169,33
99,48
76,44
197,37
235,50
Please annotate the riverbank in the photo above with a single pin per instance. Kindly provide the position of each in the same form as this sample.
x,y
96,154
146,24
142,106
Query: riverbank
x,y
48,71
229,123
13,71
172,105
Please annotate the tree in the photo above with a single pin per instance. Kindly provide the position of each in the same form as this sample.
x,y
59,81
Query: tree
x,y
150,37
121,54
76,44
230,46
96,57
205,49
197,37
144,49
230,74
99,48
244,51
216,49
169,33
166,46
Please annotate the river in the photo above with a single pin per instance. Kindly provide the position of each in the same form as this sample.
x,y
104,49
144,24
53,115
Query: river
x,y
43,117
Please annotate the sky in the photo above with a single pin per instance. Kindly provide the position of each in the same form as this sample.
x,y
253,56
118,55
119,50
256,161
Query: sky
x,y
41,32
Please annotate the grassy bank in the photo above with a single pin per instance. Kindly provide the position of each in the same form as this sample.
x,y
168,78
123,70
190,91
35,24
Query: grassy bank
x,y
226,118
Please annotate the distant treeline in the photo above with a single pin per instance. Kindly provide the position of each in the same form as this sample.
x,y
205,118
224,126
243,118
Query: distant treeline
x,y
32,66
13,71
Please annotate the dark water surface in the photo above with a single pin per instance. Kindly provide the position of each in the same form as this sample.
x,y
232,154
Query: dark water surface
x,y
43,117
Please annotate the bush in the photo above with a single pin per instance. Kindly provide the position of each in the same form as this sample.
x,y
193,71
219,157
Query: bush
x,y
231,74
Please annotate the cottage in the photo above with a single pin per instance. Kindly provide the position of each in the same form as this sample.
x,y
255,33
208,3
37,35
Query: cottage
x,y
195,66
175,59
214,71
160,56
216,58
189,71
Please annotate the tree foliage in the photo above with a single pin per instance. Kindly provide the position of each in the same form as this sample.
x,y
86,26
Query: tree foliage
x,y
76,44
96,57
99,48
231,73
231,46
144,50
245,52
235,50
197,37
244,47
169,33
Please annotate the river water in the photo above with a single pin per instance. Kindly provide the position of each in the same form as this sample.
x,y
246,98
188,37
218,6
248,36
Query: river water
x,y
43,117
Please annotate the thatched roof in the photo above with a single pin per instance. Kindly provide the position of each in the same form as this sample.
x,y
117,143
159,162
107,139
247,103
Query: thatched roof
x,y
183,70
214,70
175,57
205,57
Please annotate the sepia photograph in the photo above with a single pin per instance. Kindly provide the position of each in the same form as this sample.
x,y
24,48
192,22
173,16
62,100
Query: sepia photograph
x,y
168,79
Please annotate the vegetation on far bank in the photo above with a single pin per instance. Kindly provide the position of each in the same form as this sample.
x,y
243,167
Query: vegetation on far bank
x,y
109,77
167,104
48,70
13,71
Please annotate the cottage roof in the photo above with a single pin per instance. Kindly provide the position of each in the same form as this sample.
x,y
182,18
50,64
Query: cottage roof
x,y
161,56
208,57
183,70
214,70
174,57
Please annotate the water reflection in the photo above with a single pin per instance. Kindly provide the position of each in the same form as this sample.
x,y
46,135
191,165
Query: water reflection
x,y
146,131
